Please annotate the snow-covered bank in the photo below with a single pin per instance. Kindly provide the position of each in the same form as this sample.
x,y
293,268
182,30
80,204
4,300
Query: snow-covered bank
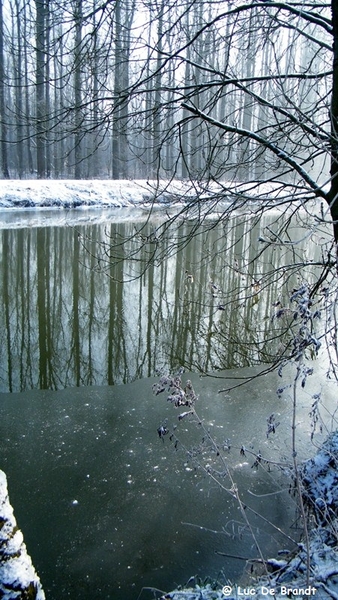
x,y
48,193
68,194
18,579
288,577
58,203
122,193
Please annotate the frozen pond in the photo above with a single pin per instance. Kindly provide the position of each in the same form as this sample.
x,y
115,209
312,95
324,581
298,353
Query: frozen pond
x,y
107,507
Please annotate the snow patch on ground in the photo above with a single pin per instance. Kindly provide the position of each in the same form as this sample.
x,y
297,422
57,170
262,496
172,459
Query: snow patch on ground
x,y
47,193
289,577
289,581
58,203
121,193
320,478
18,578
53,202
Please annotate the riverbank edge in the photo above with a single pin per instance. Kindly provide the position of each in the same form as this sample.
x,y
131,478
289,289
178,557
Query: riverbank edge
x,y
289,577
18,578
288,582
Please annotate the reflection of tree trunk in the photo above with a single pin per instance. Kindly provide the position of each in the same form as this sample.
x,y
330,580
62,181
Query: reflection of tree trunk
x,y
176,320
46,366
111,320
152,309
117,359
42,309
91,315
26,319
76,325
6,304
20,311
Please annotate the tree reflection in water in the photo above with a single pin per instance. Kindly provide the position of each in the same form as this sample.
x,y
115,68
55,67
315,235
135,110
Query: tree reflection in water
x,y
75,312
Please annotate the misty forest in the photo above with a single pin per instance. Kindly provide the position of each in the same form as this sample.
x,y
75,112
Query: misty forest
x,y
216,91
168,313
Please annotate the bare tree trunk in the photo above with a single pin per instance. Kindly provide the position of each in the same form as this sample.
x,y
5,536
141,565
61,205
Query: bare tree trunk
x,y
78,90
59,105
40,88
19,92
96,136
185,129
333,194
27,124
4,156
156,125
123,18
47,91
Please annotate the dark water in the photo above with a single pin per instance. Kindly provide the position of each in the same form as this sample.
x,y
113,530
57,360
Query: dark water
x,y
107,507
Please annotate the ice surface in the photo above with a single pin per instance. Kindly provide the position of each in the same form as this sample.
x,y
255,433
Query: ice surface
x,y
320,478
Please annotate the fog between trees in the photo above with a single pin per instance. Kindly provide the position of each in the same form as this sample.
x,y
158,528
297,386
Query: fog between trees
x,y
136,89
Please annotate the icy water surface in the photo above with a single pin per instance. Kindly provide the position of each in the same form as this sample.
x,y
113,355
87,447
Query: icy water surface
x,y
107,507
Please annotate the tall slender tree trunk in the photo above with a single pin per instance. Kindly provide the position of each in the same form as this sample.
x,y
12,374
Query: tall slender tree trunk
x,y
93,166
17,65
27,126
156,125
47,91
4,156
123,18
40,88
185,129
59,104
333,193
78,90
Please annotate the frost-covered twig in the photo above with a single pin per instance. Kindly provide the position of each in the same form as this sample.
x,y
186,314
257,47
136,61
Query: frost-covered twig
x,y
180,395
